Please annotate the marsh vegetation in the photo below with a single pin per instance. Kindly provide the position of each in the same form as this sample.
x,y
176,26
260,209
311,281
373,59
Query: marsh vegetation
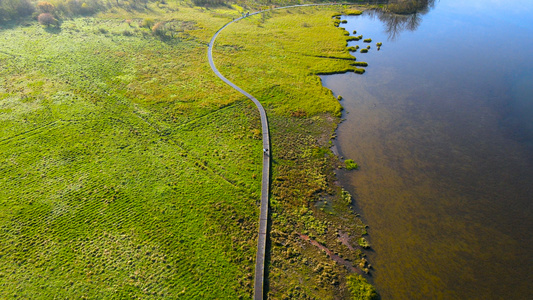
x,y
401,123
118,150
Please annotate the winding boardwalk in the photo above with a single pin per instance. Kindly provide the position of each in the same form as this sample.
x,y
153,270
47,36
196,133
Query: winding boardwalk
x,y
265,182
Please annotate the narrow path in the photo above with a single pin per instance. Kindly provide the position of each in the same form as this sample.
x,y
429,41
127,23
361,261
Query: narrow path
x,y
265,182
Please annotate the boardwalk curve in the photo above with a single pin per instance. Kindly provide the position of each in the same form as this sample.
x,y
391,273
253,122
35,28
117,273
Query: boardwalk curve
x,y
265,181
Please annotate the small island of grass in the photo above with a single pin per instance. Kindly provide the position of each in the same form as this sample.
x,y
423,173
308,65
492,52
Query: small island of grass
x,y
352,12
350,164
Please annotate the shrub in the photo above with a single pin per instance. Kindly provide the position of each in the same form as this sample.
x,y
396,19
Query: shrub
x,y
46,7
363,243
350,164
159,29
85,9
148,23
360,288
23,8
346,197
46,19
339,97
14,9
299,114
367,40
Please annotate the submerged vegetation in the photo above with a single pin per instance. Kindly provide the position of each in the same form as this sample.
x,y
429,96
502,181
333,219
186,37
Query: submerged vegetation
x,y
118,150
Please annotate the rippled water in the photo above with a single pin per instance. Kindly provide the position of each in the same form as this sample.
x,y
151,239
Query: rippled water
x,y
442,127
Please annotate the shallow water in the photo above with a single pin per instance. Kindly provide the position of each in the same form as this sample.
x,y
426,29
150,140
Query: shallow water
x,y
441,124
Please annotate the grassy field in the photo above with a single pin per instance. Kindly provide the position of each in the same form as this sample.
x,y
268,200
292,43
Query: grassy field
x,y
128,170
278,54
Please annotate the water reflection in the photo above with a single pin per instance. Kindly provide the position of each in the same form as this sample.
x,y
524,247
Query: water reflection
x,y
410,6
441,125
519,119
401,15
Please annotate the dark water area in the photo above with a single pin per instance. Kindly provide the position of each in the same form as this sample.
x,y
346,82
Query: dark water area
x,y
441,125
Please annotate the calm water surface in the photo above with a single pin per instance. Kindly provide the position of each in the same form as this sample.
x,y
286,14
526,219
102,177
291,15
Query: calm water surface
x,y
442,127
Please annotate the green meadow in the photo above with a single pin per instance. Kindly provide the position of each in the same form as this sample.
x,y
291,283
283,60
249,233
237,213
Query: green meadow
x,y
129,170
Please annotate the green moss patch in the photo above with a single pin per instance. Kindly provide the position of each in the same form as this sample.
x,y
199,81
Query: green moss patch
x,y
353,12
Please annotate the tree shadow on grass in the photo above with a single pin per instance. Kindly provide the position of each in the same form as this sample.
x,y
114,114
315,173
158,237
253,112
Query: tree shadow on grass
x,y
53,29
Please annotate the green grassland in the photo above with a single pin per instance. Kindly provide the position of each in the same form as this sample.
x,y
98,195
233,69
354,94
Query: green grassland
x,y
129,170
278,54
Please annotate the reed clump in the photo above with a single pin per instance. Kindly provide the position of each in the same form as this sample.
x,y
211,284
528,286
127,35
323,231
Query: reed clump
x,y
352,12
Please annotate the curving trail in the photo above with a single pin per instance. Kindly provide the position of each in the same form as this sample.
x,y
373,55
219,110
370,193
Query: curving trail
x,y
265,182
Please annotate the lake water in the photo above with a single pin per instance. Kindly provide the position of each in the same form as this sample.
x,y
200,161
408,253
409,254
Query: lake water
x,y
441,125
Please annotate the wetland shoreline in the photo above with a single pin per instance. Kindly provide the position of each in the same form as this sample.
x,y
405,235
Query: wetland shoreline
x,y
441,153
